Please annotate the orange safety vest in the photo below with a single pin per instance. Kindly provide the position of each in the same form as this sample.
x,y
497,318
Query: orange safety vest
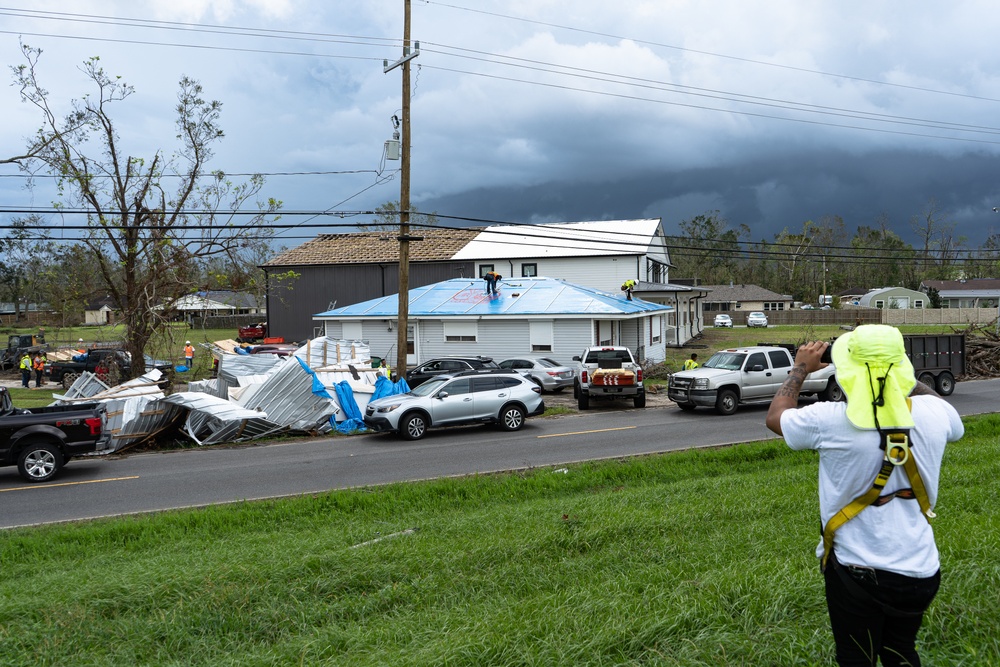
x,y
39,364
188,351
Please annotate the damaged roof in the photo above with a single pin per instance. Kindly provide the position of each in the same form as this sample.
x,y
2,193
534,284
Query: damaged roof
x,y
372,247
516,296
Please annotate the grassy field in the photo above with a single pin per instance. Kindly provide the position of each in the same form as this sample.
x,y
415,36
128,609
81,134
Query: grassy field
x,y
692,558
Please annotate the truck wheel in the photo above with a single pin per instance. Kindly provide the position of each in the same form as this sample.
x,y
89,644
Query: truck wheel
x,y
68,379
687,407
726,403
39,462
583,401
833,392
576,390
511,418
927,379
639,401
945,383
413,427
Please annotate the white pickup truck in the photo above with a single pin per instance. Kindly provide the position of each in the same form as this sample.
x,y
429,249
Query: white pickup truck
x,y
608,371
745,375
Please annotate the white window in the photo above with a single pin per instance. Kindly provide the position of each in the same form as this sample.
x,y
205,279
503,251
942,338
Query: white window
x,y
655,329
540,335
352,331
918,303
879,303
459,332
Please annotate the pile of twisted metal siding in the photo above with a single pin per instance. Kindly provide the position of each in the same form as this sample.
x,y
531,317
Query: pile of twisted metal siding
x,y
253,396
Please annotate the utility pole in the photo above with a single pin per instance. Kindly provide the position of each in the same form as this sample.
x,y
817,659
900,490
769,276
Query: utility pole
x,y
403,310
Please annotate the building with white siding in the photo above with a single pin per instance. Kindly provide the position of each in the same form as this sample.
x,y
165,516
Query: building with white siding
x,y
531,316
344,269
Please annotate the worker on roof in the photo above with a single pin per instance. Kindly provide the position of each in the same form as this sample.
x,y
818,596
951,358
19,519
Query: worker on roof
x,y
492,278
627,287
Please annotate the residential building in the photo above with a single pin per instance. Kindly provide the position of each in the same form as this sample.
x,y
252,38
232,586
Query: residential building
x,y
739,298
213,303
344,269
972,293
894,298
541,317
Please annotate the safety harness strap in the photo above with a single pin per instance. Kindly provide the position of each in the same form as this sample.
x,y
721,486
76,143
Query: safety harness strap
x,y
854,508
895,444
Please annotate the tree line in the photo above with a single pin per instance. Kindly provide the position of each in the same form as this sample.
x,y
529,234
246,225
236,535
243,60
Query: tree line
x,y
824,255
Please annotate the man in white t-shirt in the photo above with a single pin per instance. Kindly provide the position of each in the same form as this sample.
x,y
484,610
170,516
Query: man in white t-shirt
x,y
882,570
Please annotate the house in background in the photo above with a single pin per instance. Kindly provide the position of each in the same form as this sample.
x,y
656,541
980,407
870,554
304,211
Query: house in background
x,y
100,312
345,269
737,299
973,293
895,298
212,303
530,316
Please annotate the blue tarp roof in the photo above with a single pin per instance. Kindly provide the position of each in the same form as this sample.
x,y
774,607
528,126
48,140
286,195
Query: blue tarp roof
x,y
521,296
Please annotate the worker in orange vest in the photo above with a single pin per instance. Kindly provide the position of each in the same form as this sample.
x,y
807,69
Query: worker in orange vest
x,y
188,354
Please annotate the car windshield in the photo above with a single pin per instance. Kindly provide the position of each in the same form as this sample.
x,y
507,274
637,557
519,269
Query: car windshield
x,y
730,361
547,363
722,317
430,387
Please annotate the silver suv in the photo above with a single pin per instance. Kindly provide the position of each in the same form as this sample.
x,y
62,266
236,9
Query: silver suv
x,y
468,397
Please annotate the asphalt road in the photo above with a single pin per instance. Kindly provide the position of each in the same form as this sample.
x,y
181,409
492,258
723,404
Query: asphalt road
x,y
94,487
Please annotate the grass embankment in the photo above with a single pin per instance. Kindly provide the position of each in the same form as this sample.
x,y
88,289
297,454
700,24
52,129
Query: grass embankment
x,y
691,558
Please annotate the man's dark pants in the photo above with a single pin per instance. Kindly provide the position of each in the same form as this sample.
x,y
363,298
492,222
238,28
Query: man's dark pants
x,y
863,629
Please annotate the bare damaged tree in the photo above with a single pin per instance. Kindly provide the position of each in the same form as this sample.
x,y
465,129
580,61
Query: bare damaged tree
x,y
144,240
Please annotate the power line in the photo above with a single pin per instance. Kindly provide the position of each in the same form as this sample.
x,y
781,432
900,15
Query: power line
x,y
707,108
518,62
716,55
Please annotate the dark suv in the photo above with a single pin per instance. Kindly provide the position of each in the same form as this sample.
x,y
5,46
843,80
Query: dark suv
x,y
446,365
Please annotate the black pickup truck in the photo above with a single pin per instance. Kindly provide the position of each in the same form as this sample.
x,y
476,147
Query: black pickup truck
x,y
111,365
39,441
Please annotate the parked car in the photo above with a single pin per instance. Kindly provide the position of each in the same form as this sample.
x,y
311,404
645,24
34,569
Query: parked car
x,y
446,365
723,321
485,395
757,320
549,374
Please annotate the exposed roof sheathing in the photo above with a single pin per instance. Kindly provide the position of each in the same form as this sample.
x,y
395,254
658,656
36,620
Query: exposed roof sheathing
x,y
373,247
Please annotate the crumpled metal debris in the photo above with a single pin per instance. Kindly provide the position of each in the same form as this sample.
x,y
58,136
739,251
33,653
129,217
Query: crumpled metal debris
x,y
254,396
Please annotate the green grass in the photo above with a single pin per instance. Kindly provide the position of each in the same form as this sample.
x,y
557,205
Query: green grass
x,y
692,558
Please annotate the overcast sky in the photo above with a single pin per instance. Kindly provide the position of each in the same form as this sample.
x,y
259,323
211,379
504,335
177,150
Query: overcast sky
x,y
772,113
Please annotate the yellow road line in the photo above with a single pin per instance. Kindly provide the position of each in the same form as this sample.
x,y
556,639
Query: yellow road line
x,y
50,486
599,430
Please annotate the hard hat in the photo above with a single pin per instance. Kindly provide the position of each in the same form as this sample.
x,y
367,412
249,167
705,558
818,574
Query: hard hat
x,y
79,340
187,342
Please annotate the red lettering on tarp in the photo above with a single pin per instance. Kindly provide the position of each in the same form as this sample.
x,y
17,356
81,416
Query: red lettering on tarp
x,y
470,296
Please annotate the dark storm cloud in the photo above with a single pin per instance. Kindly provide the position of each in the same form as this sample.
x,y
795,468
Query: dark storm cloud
x,y
767,194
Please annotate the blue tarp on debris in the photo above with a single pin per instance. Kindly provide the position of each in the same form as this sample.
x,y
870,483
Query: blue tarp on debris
x,y
354,421
386,387
318,387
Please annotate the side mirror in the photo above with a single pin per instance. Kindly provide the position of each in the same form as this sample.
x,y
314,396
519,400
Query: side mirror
x,y
576,358
442,394
757,368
